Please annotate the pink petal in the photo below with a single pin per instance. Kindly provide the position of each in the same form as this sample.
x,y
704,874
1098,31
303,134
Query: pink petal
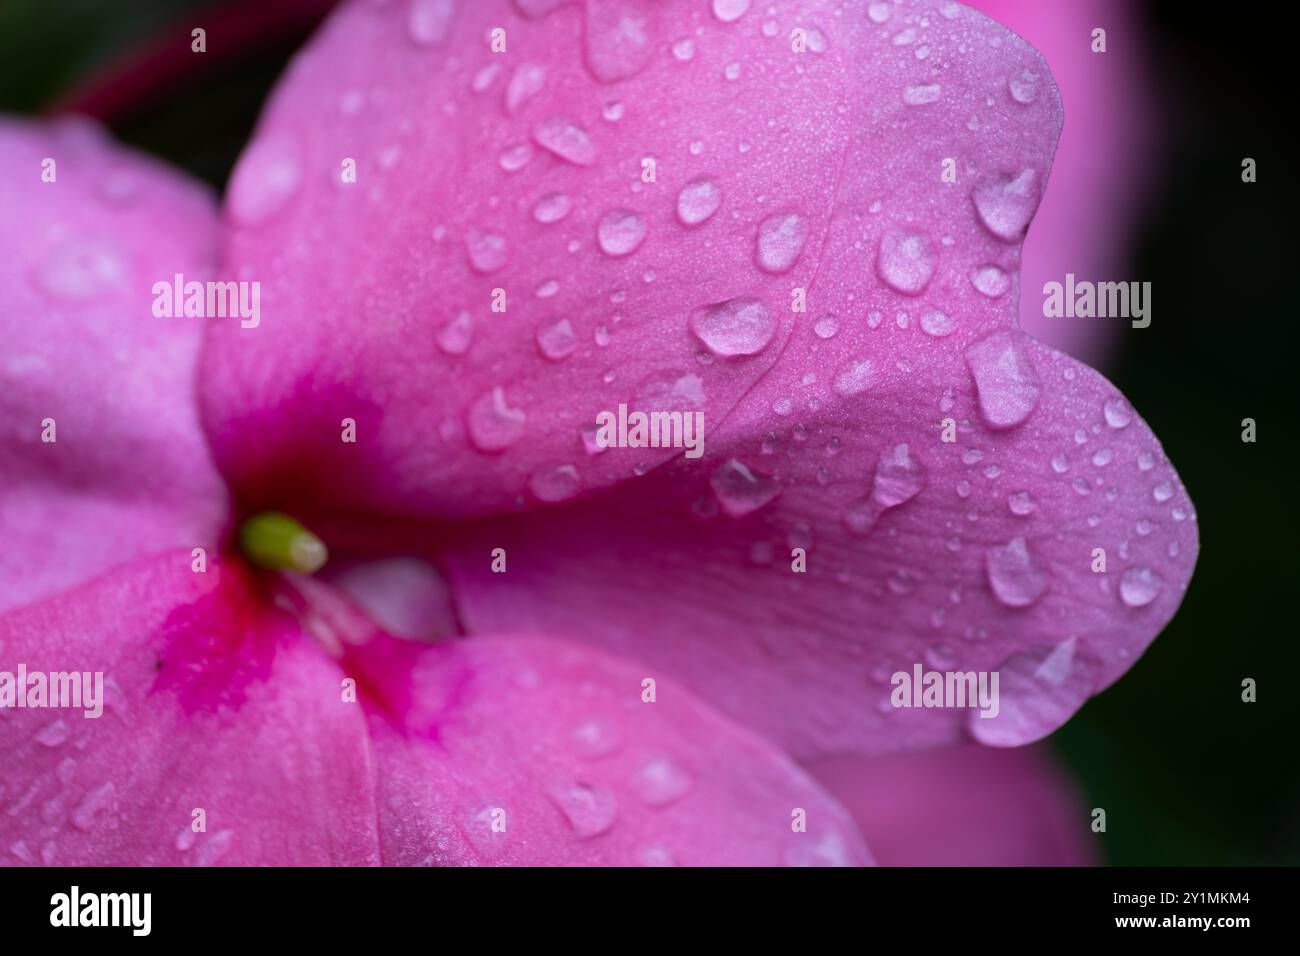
x,y
555,745
128,473
966,806
522,172
976,555
211,703
1103,164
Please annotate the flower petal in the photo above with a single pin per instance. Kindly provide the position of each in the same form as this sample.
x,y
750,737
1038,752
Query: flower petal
x,y
101,456
526,750
210,703
964,806
981,554
528,174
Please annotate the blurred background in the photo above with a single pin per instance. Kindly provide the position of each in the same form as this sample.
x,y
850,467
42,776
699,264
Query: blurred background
x,y
1187,773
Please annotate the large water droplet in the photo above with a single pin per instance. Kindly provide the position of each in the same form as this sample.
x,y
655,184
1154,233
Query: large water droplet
x,y
566,139
429,21
697,201
267,176
618,39
493,425
741,490
728,11
741,326
620,232
1018,577
661,781
1138,587
525,83
1023,86
590,809
905,261
780,241
488,251
899,477
1039,690
1006,205
1005,379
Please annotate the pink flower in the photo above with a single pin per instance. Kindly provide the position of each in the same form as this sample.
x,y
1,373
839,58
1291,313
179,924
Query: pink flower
x,y
805,228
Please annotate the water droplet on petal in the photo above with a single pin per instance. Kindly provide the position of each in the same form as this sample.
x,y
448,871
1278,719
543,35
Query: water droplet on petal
x,y
54,734
267,176
661,781
741,490
989,280
740,326
780,241
590,809
1138,587
697,201
552,208
1021,503
1018,577
684,50
855,378
555,484
1005,379
566,139
899,477
921,95
79,271
514,158
936,323
525,83
97,801
728,11
557,340
618,39
1023,86
1039,690
429,21
494,425
1118,412
905,261
487,251
1006,205
879,11
620,232
596,738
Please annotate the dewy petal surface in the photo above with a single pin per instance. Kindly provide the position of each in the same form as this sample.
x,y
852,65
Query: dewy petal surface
x,y
493,750
87,364
212,702
525,751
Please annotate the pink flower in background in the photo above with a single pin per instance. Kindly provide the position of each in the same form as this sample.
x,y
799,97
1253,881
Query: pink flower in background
x,y
804,226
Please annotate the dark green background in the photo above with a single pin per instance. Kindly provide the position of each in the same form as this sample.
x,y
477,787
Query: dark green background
x,y
1187,773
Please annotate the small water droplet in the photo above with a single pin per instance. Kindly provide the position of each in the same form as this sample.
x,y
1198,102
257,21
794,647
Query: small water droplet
x,y
740,490
552,208
558,483
1022,503
514,158
429,21
566,139
684,50
1006,205
493,425
905,261
1118,412
488,251
1138,587
855,378
597,738
989,280
780,242
1023,86
728,11
936,323
661,781
590,809
921,95
1018,577
80,271
267,177
1005,379
54,734
525,83
899,477
620,232
740,326
698,201
98,801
